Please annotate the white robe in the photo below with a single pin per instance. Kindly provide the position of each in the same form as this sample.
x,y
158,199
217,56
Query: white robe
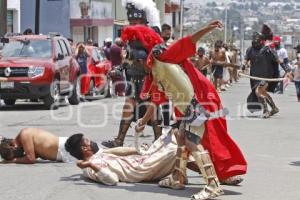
x,y
134,168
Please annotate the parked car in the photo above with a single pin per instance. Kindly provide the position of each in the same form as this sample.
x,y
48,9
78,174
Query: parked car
x,y
96,82
38,67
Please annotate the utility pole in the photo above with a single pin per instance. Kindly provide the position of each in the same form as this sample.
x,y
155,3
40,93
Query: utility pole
x,y
242,38
3,17
226,19
181,17
37,16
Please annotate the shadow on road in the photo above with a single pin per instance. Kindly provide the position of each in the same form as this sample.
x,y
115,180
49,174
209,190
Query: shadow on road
x,y
26,107
295,163
142,187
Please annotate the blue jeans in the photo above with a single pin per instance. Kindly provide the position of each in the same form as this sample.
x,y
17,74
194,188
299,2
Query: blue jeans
x,y
297,84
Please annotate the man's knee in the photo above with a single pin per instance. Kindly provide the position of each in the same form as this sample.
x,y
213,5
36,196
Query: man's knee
x,y
191,146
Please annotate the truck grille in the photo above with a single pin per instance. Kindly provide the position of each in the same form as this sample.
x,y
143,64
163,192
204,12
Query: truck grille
x,y
14,71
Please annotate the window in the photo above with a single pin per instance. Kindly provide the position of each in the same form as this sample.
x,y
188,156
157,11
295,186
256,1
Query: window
x,y
58,49
173,19
10,21
28,48
64,48
67,44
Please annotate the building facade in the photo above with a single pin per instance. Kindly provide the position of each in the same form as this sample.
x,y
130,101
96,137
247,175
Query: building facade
x,y
54,16
13,16
91,20
77,19
80,20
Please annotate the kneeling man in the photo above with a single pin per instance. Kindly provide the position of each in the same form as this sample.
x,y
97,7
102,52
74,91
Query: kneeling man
x,y
33,143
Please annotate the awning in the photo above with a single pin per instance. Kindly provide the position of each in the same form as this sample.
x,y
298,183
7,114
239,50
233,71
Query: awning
x,y
91,22
121,22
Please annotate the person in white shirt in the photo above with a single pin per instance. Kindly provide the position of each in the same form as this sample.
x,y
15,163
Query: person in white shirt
x,y
283,58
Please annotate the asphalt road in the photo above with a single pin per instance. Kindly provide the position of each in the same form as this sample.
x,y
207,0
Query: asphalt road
x,y
271,148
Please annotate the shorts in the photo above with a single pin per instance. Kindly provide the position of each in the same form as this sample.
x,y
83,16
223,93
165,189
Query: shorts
x,y
217,71
271,85
134,87
62,154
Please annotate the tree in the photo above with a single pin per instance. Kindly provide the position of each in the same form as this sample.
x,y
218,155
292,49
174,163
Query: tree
x,y
287,7
212,4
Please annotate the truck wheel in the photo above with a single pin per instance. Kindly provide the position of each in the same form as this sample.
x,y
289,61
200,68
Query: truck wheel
x,y
75,96
51,101
9,102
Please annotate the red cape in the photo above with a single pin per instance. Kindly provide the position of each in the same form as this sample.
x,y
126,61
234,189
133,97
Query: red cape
x,y
226,155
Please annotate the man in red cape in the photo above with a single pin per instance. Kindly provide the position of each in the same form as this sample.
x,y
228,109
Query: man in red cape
x,y
197,100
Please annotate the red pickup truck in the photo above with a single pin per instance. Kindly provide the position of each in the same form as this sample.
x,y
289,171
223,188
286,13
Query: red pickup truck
x,y
38,67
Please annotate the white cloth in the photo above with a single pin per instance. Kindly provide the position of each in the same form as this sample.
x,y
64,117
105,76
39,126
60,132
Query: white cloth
x,y
282,54
134,168
226,75
62,154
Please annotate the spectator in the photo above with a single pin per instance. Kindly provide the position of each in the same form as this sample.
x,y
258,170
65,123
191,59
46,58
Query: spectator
x,y
283,58
218,59
81,57
296,74
107,45
166,34
89,42
28,31
117,75
227,72
202,62
234,60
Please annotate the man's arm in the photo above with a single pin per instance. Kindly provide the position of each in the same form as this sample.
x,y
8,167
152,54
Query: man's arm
x,y
22,160
84,164
199,34
103,175
121,151
25,140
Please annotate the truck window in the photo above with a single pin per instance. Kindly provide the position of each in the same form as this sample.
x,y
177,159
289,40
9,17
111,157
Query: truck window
x,y
64,48
58,49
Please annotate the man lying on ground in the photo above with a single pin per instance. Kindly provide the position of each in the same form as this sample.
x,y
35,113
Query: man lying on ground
x,y
125,164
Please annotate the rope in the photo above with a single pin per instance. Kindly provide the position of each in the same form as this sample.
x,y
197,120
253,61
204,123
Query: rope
x,y
162,143
261,79
142,151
